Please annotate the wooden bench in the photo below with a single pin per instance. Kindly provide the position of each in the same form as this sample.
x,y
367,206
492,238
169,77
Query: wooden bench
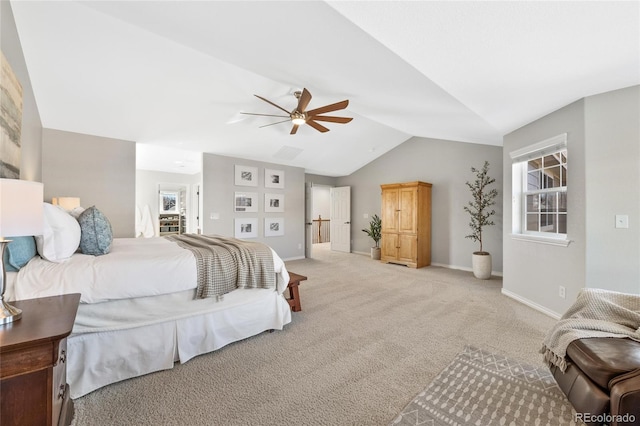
x,y
294,296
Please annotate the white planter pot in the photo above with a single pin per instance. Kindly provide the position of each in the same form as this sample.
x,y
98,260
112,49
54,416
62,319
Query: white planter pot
x,y
481,266
375,253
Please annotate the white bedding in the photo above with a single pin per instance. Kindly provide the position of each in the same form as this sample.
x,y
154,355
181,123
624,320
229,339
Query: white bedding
x,y
135,267
138,312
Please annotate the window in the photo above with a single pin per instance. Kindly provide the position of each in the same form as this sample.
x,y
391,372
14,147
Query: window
x,y
540,190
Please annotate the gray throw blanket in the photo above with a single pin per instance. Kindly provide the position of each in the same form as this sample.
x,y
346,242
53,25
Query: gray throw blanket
x,y
225,264
595,313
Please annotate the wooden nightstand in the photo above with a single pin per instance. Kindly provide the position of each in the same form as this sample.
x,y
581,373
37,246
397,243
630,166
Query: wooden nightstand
x,y
33,370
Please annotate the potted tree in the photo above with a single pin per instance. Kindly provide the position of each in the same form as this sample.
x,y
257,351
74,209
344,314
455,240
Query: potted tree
x,y
374,231
478,209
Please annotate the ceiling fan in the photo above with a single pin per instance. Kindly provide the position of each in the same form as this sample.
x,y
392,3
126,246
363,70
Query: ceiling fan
x,y
299,116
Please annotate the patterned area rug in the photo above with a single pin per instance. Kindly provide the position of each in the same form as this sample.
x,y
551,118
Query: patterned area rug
x,y
481,388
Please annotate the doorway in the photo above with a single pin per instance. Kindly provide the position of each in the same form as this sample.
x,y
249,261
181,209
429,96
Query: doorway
x,y
321,207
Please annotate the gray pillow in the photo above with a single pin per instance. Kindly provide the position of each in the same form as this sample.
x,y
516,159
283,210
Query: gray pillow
x,y
96,234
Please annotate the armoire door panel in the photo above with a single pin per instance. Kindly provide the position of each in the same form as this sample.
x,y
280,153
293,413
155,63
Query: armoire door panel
x,y
408,210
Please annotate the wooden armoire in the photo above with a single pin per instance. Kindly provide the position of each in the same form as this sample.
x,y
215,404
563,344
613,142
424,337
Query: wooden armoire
x,y
406,224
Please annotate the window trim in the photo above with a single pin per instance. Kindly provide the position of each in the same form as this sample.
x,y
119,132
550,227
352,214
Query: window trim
x,y
520,156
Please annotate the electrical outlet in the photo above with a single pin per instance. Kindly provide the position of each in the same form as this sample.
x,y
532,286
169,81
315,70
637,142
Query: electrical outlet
x,y
561,292
299,246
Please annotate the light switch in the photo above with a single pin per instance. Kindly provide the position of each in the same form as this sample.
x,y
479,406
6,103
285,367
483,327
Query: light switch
x,y
366,215
215,216
622,221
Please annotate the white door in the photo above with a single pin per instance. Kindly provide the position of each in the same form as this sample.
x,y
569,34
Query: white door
x,y
341,219
308,220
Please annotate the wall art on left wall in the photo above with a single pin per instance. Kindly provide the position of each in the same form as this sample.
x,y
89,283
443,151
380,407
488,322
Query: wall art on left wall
x,y
10,121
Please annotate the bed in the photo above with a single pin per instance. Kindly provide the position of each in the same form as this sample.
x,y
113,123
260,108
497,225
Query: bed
x,y
139,311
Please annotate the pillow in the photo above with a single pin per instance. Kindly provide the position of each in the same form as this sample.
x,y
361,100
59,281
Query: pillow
x,y
97,235
19,252
61,235
76,212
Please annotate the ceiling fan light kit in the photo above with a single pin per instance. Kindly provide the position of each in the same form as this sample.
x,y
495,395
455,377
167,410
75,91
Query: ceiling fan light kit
x,y
299,116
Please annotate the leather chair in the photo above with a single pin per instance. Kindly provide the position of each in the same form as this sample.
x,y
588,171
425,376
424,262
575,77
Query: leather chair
x,y
602,380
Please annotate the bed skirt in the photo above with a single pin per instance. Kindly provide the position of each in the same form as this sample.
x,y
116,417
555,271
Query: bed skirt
x,y
97,359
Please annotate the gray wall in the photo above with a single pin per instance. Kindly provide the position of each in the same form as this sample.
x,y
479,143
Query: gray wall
x,y
534,271
101,171
613,182
218,188
31,135
603,140
446,165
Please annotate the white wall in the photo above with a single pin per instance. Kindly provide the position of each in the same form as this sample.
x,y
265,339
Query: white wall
x,y
218,188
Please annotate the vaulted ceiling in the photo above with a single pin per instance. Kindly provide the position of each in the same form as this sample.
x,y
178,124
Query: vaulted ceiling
x,y
174,76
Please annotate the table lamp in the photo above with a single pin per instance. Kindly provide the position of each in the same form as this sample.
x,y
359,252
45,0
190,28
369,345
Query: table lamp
x,y
21,213
67,203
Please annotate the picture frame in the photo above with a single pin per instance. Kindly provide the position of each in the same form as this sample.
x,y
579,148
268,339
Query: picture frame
x,y
273,203
245,202
246,175
168,202
273,226
246,227
274,178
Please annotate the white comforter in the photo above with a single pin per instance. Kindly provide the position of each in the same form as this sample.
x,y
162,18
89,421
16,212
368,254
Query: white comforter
x,y
135,267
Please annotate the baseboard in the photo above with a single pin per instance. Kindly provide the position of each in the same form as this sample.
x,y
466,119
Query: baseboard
x,y
463,268
293,258
531,304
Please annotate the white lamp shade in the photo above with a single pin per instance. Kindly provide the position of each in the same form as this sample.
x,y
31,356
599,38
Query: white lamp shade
x,y
67,203
21,208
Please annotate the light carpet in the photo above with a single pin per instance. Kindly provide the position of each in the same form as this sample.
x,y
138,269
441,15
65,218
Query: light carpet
x,y
482,388
369,337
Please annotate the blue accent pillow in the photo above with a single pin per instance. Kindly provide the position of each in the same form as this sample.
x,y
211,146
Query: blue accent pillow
x,y
18,252
96,234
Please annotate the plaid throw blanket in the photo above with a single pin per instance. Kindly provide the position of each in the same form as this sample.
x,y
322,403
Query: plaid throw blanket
x,y
225,264
595,313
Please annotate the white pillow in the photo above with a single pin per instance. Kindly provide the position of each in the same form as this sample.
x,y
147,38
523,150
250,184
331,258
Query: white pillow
x,y
61,235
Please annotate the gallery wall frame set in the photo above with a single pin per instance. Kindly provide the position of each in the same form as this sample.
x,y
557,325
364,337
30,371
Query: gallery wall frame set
x,y
247,202
248,176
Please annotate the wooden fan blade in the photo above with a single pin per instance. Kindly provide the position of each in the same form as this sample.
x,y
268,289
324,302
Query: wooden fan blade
x,y
294,129
269,102
342,120
329,108
265,115
304,100
271,124
317,126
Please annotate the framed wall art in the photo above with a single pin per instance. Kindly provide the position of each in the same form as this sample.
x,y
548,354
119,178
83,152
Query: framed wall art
x,y
273,226
10,121
246,227
273,203
246,176
168,202
245,202
273,178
